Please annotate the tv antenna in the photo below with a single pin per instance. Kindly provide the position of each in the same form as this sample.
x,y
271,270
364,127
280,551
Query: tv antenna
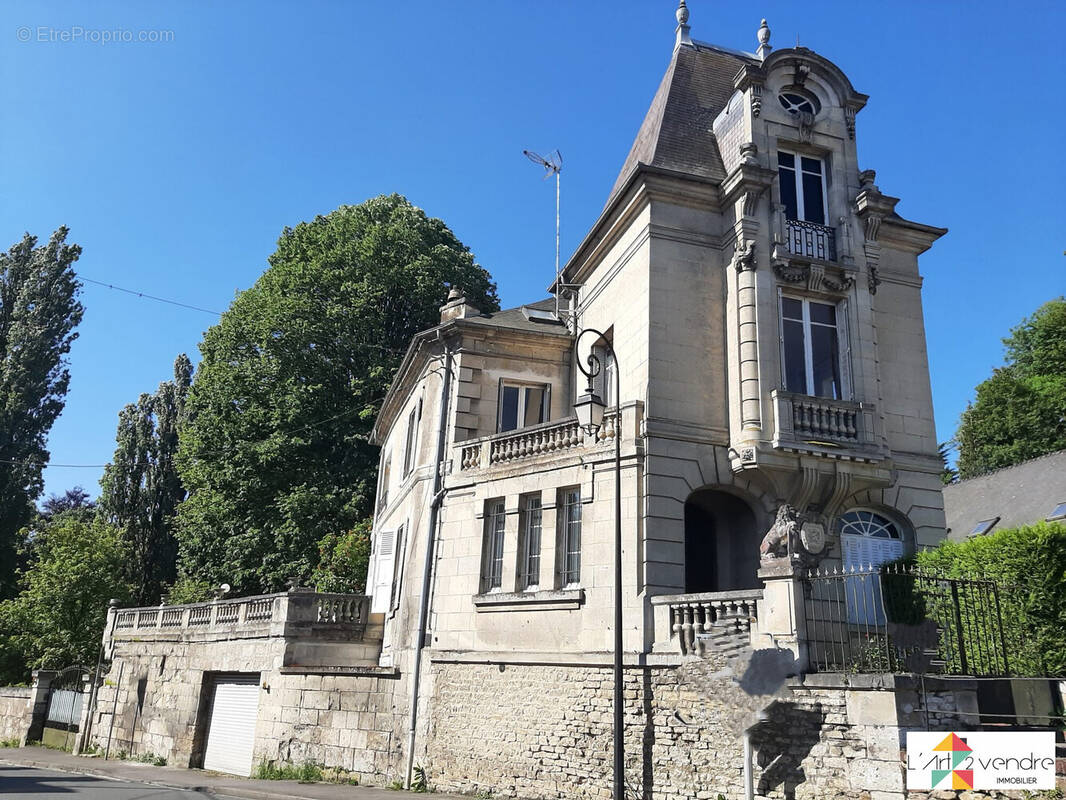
x,y
553,165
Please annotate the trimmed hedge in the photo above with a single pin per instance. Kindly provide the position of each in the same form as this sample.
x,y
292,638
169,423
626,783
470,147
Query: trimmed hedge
x,y
1031,558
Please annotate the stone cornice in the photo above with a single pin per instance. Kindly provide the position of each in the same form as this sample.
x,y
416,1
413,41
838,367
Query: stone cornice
x,y
748,180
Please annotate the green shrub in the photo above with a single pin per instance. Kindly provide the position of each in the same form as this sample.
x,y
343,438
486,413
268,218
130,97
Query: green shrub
x,y
149,758
308,772
1031,562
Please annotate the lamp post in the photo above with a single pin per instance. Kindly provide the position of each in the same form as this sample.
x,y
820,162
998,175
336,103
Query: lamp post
x,y
589,409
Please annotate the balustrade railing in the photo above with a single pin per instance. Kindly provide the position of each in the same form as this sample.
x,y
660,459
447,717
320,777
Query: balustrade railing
x,y
718,621
804,418
303,607
537,440
345,609
810,240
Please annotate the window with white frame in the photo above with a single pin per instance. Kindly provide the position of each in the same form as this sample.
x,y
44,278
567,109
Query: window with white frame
x,y
383,481
522,404
813,360
569,540
411,440
802,183
492,559
529,529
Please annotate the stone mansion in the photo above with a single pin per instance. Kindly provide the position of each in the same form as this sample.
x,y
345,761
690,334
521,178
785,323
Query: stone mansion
x,y
762,298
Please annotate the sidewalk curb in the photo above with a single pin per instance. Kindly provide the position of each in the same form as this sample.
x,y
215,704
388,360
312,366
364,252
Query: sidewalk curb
x,y
214,791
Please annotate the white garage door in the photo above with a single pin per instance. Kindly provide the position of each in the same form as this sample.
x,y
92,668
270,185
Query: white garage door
x,y
231,730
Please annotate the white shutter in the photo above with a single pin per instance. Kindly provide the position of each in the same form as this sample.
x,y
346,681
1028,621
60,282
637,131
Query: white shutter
x,y
383,567
863,593
231,730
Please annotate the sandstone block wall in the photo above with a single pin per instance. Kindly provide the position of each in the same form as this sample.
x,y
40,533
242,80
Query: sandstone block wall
x,y
521,730
350,722
14,711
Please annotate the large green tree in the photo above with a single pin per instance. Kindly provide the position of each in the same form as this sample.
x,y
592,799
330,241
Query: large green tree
x,y
276,454
58,616
39,311
1020,412
142,488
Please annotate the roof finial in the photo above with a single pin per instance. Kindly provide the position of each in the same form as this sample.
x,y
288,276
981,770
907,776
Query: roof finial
x,y
764,41
682,25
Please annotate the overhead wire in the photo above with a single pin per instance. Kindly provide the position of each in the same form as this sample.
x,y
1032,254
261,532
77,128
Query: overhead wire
x,y
147,296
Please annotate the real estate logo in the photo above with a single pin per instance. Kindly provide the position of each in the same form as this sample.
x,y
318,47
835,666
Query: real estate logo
x,y
980,760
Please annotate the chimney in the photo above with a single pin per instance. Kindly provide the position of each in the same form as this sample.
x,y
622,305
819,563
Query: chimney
x,y
457,307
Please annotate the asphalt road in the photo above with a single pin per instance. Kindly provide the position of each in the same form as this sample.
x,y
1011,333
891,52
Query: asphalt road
x,y
28,783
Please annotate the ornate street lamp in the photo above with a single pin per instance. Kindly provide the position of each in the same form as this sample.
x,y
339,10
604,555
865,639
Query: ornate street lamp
x,y
589,409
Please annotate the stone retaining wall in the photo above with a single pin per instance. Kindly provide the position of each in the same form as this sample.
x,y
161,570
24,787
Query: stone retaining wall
x,y
347,721
14,712
523,730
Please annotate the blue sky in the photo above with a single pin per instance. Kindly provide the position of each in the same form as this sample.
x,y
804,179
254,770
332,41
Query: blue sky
x,y
177,163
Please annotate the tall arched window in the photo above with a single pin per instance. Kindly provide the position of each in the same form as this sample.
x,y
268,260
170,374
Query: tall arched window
x,y
867,540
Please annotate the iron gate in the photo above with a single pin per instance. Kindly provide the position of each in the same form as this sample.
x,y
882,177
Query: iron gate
x,y
66,698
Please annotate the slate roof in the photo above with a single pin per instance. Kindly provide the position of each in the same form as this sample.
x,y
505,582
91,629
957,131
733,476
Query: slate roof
x,y
1020,495
676,132
516,319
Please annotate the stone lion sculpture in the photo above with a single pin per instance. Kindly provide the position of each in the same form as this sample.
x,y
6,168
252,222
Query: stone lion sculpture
x,y
783,535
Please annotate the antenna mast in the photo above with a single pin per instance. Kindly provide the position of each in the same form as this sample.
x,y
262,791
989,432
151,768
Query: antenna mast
x,y
553,165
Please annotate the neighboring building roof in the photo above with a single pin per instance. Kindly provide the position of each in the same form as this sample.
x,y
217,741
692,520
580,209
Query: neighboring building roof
x,y
1020,495
676,132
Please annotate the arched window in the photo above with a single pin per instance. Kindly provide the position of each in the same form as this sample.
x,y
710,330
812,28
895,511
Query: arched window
x,y
795,102
867,523
868,539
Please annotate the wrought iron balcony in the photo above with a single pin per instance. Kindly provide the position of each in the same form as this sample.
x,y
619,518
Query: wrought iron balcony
x,y
810,240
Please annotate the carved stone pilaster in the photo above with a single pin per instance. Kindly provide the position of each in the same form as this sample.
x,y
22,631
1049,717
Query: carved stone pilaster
x,y
779,223
747,335
756,99
849,120
844,245
744,255
873,260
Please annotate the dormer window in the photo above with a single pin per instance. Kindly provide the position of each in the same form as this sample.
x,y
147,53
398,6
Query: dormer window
x,y
522,404
803,192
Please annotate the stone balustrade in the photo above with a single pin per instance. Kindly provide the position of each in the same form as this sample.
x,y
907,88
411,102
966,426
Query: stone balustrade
x,y
301,608
814,420
558,436
696,624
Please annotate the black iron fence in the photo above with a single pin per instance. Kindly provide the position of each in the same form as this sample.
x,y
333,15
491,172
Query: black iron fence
x,y
901,619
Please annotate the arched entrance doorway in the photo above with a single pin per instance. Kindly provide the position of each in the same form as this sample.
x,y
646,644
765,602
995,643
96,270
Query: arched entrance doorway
x,y
721,543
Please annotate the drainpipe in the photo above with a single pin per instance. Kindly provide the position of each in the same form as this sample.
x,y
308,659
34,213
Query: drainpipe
x,y
427,568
